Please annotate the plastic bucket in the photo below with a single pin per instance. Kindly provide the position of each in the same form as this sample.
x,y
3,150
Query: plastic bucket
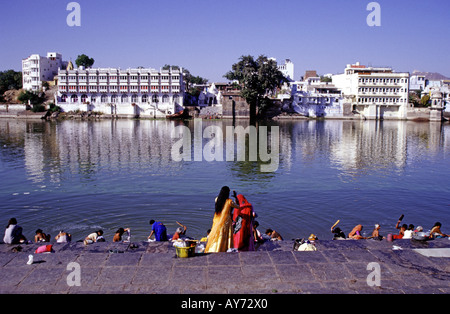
x,y
184,252
389,237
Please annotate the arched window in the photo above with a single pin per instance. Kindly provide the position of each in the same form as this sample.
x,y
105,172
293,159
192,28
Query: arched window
x,y
84,98
74,98
134,98
165,98
175,98
104,98
114,98
144,98
93,99
124,98
155,99
64,98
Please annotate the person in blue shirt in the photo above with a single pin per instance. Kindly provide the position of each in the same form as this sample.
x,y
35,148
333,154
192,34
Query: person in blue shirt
x,y
159,230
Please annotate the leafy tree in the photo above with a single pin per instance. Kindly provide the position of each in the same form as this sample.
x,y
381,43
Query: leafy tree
x,y
10,80
425,101
259,79
414,98
35,99
83,60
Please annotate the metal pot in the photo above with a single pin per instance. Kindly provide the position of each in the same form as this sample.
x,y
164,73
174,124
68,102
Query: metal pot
x,y
420,236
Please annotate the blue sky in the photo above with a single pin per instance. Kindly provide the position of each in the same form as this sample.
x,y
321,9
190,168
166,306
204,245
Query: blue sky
x,y
208,36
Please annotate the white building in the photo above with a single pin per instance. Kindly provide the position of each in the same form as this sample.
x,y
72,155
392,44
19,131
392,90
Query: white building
x,y
287,69
374,92
144,92
313,98
210,96
417,82
37,69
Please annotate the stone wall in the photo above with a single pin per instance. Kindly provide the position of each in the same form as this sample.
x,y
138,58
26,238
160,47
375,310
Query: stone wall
x,y
209,112
234,105
12,107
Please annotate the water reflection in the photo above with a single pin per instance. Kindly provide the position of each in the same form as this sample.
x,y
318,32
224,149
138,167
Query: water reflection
x,y
355,147
54,150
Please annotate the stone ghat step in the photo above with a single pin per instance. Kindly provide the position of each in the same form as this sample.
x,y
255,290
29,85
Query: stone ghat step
x,y
269,246
336,267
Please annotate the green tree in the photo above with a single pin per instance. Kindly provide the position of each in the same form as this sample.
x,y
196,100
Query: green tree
x,y
425,100
10,80
35,100
259,79
85,61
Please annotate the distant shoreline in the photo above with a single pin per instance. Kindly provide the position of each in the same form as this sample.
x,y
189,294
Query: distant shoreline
x,y
27,114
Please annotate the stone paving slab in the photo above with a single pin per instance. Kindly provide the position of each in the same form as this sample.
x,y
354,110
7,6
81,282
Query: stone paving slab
x,y
336,267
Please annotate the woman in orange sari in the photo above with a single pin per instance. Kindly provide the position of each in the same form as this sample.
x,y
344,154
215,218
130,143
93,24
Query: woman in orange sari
x,y
220,238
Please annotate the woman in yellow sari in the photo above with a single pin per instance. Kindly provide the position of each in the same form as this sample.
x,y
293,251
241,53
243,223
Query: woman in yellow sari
x,y
220,238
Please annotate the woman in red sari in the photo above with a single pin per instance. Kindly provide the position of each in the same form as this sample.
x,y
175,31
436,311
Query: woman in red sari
x,y
243,239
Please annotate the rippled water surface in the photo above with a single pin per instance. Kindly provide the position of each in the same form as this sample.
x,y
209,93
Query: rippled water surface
x,y
84,175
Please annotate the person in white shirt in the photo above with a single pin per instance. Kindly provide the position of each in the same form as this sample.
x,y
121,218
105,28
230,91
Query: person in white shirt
x,y
408,233
13,233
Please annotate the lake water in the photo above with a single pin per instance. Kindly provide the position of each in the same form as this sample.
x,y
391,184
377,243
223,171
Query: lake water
x,y
85,175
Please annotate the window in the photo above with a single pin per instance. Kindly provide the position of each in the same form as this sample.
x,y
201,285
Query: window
x,y
83,98
155,99
64,98
114,98
165,99
124,98
93,99
104,99
134,98
144,98
74,98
